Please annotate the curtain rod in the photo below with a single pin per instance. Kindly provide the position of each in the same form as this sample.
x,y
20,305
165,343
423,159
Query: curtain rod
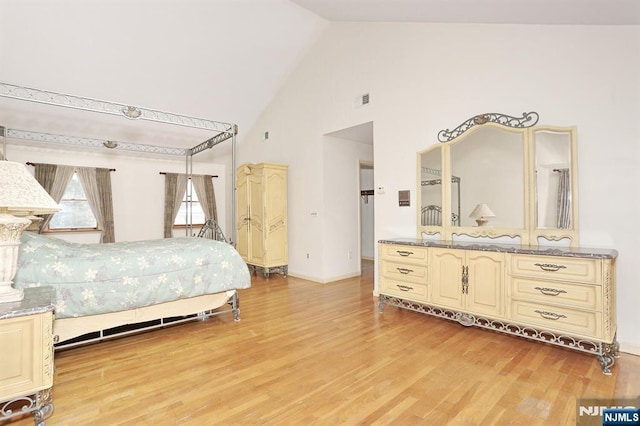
x,y
29,163
213,176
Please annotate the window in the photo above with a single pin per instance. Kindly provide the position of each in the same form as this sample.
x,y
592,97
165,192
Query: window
x,y
75,212
197,214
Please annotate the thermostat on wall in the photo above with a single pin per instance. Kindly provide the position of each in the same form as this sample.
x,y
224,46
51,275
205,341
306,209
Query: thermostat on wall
x,y
404,198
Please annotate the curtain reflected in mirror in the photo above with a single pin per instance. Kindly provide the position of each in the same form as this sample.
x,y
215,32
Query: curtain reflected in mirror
x,y
564,199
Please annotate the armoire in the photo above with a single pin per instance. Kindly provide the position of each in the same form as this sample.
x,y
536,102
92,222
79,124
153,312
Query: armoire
x,y
261,216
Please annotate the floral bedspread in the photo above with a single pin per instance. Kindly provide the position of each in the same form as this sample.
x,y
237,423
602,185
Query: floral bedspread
x,y
98,278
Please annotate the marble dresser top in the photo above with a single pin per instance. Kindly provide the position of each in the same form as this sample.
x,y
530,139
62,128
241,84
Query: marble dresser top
x,y
509,248
37,300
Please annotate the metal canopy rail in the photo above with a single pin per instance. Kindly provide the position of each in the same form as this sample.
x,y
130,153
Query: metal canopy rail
x,y
224,130
9,90
91,142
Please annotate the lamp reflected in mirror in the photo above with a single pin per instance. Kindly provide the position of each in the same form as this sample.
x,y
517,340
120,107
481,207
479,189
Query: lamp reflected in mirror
x,y
482,213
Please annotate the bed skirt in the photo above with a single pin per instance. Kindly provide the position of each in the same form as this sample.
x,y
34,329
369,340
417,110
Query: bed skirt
x,y
69,328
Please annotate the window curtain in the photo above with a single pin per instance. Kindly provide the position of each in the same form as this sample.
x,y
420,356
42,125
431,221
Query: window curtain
x,y
203,185
96,183
54,179
564,200
175,186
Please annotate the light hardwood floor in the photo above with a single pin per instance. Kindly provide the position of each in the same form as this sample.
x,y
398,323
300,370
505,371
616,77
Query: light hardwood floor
x,y
321,354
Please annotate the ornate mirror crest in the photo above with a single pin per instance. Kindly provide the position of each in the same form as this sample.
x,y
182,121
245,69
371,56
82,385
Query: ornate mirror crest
x,y
528,119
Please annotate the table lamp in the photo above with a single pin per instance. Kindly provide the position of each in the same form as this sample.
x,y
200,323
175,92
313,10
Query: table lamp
x,y
482,213
20,195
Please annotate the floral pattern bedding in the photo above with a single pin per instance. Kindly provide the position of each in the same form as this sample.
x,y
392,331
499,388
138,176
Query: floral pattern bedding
x,y
98,278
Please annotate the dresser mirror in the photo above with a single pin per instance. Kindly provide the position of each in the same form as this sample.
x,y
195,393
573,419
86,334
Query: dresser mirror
x,y
553,172
498,176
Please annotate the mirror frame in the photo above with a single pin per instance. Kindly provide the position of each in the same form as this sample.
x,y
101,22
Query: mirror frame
x,y
529,234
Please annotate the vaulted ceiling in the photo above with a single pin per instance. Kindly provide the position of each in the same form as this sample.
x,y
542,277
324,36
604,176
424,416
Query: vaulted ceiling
x,y
217,59
570,12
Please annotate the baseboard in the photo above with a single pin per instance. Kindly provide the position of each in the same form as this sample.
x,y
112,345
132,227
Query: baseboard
x,y
303,276
323,280
629,348
341,277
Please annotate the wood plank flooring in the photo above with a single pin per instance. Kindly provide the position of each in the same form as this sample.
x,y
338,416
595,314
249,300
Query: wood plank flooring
x,y
321,354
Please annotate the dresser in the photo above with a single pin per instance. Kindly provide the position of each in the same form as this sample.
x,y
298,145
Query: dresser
x,y
26,355
559,296
262,217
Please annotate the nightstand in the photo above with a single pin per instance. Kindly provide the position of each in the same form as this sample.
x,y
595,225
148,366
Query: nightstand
x,y
26,355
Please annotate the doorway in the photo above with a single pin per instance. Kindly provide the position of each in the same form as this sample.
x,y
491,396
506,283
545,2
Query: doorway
x,y
355,145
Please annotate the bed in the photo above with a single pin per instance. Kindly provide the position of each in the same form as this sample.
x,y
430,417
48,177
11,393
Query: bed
x,y
104,289
103,286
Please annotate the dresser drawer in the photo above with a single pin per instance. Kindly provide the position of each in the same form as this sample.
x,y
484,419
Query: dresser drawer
x,y
404,271
566,294
404,253
563,320
405,290
556,268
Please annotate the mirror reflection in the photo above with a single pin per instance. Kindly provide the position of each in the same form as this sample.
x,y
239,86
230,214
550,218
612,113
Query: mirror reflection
x,y
490,164
497,176
431,187
553,179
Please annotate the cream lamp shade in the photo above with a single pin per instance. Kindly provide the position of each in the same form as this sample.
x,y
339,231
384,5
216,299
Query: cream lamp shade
x,y
481,213
20,195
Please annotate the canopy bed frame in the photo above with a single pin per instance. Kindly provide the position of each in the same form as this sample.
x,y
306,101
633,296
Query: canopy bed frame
x,y
108,325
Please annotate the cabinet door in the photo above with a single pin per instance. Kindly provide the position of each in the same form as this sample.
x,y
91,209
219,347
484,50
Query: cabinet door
x,y
27,357
256,218
276,217
486,283
447,277
242,216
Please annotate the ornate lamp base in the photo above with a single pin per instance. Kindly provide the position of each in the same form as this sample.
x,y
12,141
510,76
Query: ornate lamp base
x,y
11,228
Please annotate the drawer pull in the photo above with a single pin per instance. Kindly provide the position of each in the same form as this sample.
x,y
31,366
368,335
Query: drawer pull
x,y
550,315
404,253
404,287
404,270
549,291
550,267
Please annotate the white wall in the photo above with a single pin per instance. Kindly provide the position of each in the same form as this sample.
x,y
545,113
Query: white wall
x,y
423,78
137,187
